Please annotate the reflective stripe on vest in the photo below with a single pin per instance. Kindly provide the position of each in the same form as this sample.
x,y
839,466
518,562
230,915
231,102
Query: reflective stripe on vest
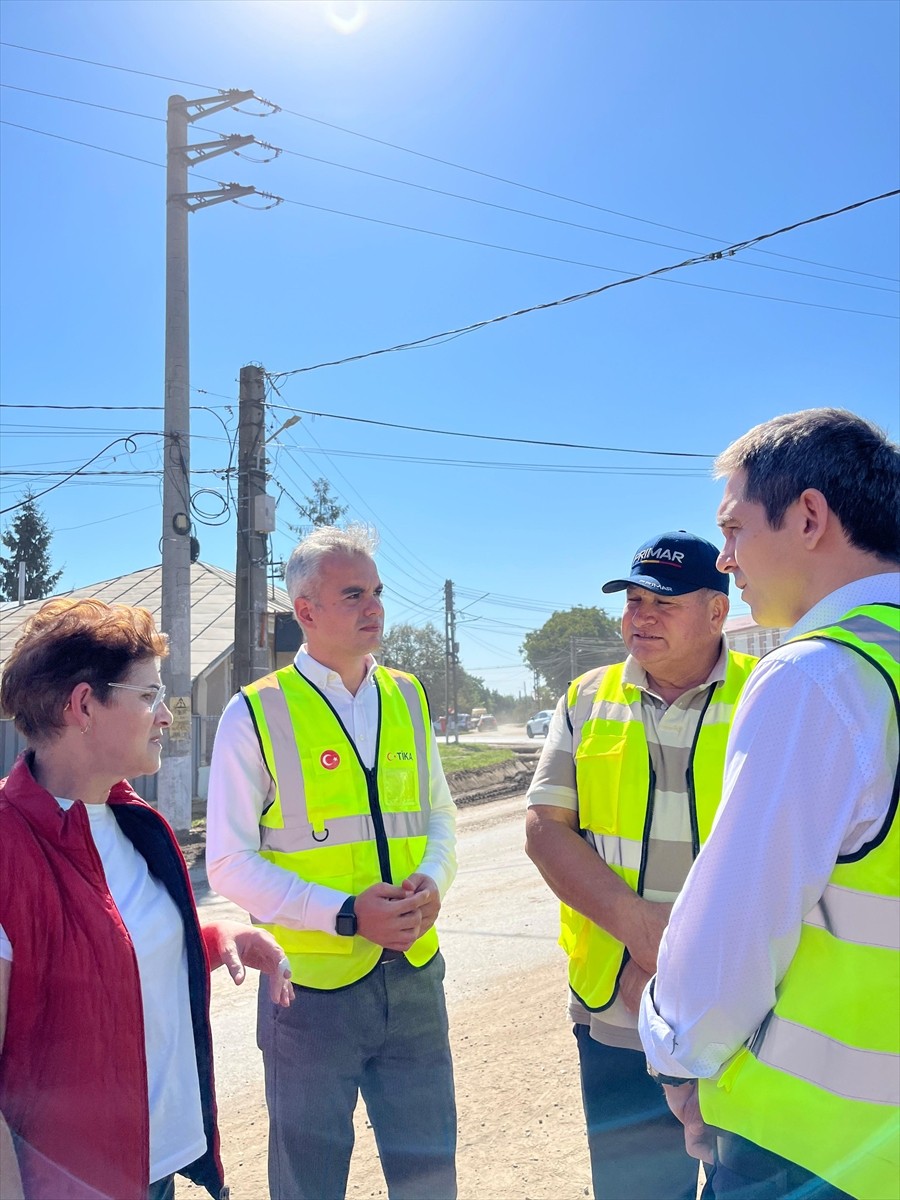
x,y
615,786
332,821
819,1083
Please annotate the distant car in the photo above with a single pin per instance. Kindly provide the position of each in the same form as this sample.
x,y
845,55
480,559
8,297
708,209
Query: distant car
x,y
539,724
485,721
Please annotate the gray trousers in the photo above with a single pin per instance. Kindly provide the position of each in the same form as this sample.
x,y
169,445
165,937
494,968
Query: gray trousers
x,y
385,1036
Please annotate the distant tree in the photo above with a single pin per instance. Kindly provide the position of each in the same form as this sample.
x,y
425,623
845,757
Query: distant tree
x,y
579,637
27,539
321,508
421,652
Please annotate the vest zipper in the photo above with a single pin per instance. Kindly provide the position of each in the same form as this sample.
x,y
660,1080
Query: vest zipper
x,y
648,821
689,777
381,840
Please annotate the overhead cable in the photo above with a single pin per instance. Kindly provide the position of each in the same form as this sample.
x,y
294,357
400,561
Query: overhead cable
x,y
629,278
129,445
447,162
690,262
468,199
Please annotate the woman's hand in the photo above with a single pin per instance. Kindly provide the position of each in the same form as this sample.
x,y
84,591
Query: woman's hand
x,y
237,946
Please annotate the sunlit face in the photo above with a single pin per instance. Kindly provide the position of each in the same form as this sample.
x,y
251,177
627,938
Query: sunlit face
x,y
673,637
126,736
345,618
765,562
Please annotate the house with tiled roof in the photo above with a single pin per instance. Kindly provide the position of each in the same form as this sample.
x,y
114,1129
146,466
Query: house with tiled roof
x,y
212,647
745,636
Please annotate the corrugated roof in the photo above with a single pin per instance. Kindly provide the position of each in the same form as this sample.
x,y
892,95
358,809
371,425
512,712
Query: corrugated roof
x,y
212,608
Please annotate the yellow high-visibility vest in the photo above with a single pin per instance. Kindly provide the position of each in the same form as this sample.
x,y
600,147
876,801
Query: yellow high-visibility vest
x,y
819,1083
334,821
616,786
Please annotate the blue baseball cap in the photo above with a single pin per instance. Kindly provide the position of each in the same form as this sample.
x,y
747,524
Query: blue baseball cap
x,y
674,564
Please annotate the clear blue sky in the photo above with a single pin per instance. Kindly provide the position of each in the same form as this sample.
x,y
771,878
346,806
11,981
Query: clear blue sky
x,y
726,120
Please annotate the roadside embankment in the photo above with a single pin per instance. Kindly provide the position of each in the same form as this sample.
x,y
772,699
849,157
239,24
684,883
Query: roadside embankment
x,y
476,785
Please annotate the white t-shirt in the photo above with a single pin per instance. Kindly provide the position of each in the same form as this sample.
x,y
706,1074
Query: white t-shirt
x,y
156,929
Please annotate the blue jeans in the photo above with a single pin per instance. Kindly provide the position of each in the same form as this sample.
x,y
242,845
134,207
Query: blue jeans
x,y
636,1144
385,1036
162,1189
744,1171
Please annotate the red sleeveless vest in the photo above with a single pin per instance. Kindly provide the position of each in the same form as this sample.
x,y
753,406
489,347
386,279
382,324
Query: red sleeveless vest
x,y
73,1079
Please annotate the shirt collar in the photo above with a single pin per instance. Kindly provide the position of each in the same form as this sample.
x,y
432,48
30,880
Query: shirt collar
x,y
883,588
635,674
323,676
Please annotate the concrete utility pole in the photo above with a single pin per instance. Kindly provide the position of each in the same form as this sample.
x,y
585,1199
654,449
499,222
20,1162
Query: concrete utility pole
x,y
256,519
176,782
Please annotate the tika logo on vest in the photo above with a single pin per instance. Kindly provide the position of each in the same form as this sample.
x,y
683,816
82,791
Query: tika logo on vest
x,y
330,759
399,756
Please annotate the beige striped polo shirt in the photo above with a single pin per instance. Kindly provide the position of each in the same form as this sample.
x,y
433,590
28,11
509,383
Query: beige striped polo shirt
x,y
670,731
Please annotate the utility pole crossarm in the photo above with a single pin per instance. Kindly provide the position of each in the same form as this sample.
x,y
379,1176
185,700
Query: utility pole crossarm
x,y
206,106
201,151
194,200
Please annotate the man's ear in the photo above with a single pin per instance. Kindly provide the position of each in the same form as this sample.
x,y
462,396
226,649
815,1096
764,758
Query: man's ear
x,y
719,610
813,515
303,611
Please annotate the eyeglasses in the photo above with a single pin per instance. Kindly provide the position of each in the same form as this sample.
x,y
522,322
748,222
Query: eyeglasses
x,y
157,690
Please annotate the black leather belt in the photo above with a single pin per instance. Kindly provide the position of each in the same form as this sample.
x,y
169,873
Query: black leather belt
x,y
388,956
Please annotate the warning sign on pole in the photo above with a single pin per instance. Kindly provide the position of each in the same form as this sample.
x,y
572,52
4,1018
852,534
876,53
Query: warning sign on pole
x,y
180,706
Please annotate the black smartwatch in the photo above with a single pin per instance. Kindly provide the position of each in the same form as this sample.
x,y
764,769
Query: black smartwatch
x,y
345,921
671,1080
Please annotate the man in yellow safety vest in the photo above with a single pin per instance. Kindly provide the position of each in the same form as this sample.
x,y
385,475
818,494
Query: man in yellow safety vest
x,y
331,822
773,1019
625,792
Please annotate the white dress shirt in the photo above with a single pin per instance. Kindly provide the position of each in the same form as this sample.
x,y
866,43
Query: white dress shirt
x,y
240,787
808,777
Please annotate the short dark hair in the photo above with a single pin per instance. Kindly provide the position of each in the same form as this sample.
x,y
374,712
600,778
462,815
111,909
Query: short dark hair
x,y
845,457
67,642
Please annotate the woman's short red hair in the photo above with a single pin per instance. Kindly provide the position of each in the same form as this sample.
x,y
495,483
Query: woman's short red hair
x,y
67,642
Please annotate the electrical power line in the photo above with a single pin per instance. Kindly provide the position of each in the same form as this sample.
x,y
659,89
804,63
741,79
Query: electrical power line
x,y
502,465
713,256
468,199
442,161
690,262
129,445
488,437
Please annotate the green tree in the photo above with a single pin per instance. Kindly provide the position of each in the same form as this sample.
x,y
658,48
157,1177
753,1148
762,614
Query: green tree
x,y
578,637
321,508
27,539
422,652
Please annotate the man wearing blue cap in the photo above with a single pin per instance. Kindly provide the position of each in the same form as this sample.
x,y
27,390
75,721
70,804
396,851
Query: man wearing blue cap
x,y
624,795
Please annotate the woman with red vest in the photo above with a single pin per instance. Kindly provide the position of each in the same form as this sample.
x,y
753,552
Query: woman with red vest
x,y
106,1080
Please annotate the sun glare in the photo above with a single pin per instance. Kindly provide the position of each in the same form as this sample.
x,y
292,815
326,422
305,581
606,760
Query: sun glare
x,y
345,16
